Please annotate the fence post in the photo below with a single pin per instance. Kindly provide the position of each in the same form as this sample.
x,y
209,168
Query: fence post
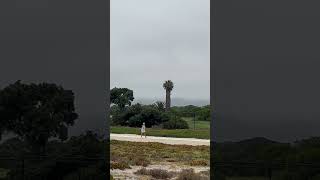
x,y
194,121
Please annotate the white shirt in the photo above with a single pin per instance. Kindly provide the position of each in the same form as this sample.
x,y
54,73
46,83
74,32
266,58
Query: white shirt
x,y
143,129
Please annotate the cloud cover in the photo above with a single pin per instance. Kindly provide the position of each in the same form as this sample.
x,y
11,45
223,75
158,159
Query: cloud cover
x,y
155,40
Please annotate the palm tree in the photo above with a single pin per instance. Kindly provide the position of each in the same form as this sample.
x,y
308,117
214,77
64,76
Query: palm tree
x,y
168,86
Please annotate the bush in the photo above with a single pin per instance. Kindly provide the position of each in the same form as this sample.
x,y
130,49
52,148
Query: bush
x,y
155,173
176,123
199,163
189,174
119,165
135,115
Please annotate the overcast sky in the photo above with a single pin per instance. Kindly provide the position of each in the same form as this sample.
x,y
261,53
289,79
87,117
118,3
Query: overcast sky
x,y
156,40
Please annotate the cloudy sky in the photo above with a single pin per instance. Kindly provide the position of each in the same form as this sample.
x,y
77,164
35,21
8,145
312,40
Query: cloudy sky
x,y
156,40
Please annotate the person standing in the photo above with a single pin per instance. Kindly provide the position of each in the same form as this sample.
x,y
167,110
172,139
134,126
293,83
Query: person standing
x,y
143,130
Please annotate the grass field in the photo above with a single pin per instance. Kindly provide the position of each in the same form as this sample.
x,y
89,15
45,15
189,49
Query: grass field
x,y
205,125
125,154
202,130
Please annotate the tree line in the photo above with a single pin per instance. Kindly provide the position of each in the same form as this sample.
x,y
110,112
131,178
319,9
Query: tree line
x,y
160,114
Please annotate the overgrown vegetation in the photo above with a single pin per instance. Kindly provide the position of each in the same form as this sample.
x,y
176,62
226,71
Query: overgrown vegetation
x,y
81,155
139,153
189,174
156,173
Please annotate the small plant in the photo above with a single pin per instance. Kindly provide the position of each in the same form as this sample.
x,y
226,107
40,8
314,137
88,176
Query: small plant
x,y
155,173
119,165
140,161
199,163
189,174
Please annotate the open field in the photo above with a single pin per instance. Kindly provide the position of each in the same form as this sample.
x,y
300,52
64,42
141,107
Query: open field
x,y
204,125
158,152
129,157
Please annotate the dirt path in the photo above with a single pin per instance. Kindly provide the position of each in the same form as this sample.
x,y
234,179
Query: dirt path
x,y
164,140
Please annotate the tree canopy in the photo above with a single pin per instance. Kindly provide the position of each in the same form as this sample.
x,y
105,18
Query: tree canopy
x,y
121,97
37,112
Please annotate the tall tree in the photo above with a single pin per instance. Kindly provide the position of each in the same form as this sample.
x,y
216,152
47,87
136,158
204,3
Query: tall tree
x,y
37,112
168,86
121,97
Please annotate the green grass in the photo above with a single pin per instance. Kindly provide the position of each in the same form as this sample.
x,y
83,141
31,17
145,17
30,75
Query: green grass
x,y
205,125
202,130
179,133
139,153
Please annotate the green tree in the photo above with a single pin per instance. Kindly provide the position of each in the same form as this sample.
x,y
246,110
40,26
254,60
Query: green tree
x,y
122,97
168,86
37,112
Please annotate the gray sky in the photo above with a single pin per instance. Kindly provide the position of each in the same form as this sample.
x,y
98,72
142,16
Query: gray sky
x,y
156,40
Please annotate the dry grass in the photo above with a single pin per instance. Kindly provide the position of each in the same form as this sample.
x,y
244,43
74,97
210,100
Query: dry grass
x,y
156,173
119,165
189,174
142,154
200,162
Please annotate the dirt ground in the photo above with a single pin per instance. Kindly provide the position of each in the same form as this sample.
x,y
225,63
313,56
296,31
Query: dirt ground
x,y
164,140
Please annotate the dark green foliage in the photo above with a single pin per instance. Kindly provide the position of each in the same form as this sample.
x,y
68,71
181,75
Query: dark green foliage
x,y
175,123
136,114
37,112
79,156
200,113
122,97
160,106
204,114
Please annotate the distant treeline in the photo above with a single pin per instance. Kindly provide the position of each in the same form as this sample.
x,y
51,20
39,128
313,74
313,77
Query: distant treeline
x,y
201,113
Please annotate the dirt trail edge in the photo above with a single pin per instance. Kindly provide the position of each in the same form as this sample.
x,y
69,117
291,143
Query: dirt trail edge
x,y
164,140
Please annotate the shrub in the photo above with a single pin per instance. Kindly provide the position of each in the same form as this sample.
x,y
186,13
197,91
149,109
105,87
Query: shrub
x,y
199,163
189,174
176,123
119,165
140,161
135,115
155,173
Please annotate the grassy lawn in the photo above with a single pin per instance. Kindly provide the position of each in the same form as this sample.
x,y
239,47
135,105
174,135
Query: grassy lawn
x,y
198,124
125,154
202,130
